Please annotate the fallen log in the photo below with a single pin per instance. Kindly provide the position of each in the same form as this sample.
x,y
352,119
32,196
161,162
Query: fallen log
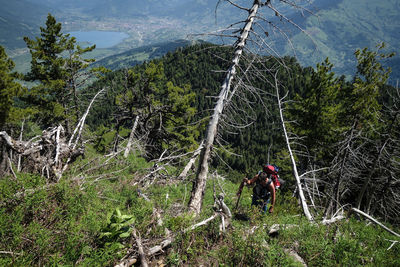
x,y
49,153
375,221
143,258
167,241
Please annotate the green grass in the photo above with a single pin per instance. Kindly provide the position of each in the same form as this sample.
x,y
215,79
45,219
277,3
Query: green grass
x,y
61,224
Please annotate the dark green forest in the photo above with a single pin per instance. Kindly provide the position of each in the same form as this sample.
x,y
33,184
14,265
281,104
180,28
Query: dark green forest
x,y
91,158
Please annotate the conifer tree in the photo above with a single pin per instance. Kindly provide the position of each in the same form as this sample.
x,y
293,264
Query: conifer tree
x,y
9,90
317,113
56,61
163,109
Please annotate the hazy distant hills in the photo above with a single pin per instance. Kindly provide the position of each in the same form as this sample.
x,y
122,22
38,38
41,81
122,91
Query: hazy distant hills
x,y
337,28
129,8
338,31
19,18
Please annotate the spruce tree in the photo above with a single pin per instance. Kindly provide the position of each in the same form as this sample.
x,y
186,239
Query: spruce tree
x,y
164,109
317,113
9,90
56,62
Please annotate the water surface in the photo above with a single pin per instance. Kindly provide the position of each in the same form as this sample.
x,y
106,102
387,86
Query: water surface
x,y
102,39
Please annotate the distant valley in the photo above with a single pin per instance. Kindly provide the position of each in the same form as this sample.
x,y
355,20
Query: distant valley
x,y
335,29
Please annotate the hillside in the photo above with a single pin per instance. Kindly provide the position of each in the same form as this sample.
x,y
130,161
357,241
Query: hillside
x,y
138,55
337,28
93,174
20,18
67,224
338,31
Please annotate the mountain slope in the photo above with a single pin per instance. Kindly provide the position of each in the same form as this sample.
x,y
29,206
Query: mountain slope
x,y
19,18
136,56
338,31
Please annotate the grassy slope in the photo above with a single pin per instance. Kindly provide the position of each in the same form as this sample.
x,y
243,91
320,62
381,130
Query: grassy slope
x,y
339,31
61,224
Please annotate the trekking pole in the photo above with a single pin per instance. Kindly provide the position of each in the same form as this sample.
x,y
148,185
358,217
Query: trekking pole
x,y
239,194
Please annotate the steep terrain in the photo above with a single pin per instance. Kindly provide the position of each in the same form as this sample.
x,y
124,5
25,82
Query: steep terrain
x,y
336,32
20,18
138,55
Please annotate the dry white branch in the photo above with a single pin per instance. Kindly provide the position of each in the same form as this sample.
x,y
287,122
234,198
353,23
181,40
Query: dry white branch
x,y
11,168
295,256
275,228
131,136
189,165
143,258
10,253
375,221
81,122
394,242
306,211
206,221
333,220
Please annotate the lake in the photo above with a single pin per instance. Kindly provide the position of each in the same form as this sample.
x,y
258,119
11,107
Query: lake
x,y
102,39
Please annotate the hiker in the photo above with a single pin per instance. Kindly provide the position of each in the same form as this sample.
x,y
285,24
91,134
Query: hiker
x,y
266,182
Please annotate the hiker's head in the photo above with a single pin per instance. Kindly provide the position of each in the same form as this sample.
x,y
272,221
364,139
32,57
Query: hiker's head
x,y
263,177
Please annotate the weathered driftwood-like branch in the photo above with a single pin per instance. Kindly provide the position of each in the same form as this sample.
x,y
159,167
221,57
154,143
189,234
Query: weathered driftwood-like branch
x,y
192,160
81,122
394,242
306,211
275,228
131,136
333,219
20,139
375,221
11,253
143,257
11,168
295,256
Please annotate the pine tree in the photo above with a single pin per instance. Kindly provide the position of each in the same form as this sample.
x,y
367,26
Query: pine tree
x,y
56,62
317,113
164,109
9,90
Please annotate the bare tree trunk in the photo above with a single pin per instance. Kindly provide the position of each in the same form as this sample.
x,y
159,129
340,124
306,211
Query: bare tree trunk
x,y
368,179
295,173
199,184
132,134
20,139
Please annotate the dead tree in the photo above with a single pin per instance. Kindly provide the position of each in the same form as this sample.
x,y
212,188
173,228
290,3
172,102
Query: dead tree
x,y
294,166
131,137
50,153
227,92
199,185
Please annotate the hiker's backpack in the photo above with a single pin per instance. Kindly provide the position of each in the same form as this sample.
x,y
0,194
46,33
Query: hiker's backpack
x,y
272,170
